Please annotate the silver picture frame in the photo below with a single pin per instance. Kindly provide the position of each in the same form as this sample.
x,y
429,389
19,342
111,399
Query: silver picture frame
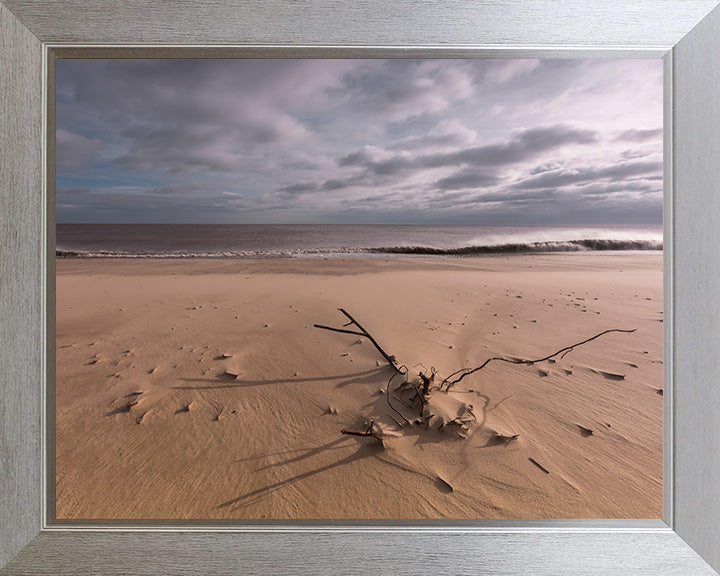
x,y
685,33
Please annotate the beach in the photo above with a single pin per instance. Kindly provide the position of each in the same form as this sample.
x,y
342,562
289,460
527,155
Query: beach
x,y
201,389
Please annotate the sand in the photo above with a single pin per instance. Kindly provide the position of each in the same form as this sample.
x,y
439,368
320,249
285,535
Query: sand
x,y
199,389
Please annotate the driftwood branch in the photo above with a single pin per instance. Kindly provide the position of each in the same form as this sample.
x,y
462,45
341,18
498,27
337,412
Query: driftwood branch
x,y
451,380
387,397
362,332
367,432
426,384
357,432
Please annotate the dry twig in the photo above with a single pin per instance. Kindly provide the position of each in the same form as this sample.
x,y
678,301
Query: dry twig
x,y
423,393
448,382
362,332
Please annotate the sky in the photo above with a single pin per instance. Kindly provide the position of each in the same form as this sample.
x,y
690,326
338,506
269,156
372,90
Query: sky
x,y
500,141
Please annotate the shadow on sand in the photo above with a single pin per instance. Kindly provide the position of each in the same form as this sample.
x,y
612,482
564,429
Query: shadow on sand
x,y
222,381
363,451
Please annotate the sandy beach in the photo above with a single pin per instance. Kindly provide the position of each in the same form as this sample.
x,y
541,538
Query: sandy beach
x,y
200,389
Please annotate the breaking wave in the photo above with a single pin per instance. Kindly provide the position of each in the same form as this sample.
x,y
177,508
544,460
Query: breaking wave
x,y
545,246
586,245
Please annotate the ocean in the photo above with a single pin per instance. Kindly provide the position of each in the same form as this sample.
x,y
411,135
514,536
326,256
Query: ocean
x,y
341,241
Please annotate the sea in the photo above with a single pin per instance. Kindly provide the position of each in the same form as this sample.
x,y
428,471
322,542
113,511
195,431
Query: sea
x,y
342,241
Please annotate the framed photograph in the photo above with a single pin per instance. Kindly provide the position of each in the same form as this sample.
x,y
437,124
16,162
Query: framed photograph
x,y
489,229
407,413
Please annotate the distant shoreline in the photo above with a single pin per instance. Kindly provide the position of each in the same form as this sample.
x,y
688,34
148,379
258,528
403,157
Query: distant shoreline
x,y
342,241
571,246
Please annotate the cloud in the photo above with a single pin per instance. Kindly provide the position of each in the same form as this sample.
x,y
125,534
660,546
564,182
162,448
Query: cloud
x,y
330,140
396,90
501,71
448,134
179,149
337,183
547,167
527,144
174,203
381,164
182,116
640,135
643,187
564,177
74,150
299,188
468,178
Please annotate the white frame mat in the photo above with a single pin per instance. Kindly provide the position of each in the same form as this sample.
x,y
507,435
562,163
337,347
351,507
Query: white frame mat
x,y
685,33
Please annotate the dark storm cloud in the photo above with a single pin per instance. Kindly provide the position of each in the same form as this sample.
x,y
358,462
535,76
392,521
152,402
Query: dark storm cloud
x,y
184,115
384,167
524,146
177,149
469,178
336,184
74,150
299,188
242,140
641,135
340,183
395,90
